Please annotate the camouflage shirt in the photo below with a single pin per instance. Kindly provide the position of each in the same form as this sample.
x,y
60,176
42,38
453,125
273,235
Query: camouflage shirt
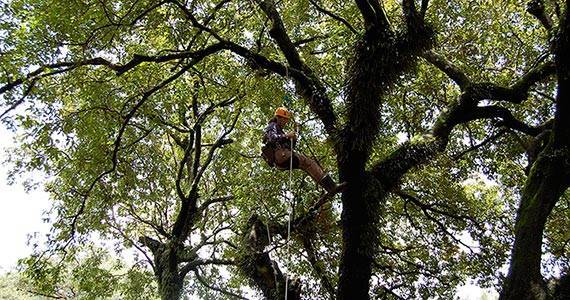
x,y
274,136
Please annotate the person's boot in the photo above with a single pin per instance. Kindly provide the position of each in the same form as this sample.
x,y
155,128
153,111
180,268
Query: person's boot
x,y
330,186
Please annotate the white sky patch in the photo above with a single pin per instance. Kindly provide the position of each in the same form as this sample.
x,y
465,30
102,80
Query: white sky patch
x,y
402,137
473,292
21,213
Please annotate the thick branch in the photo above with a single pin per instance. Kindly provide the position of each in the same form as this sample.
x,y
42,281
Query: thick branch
x,y
373,14
311,87
258,266
507,119
21,100
532,77
214,200
448,68
536,8
279,34
181,166
318,266
189,209
516,93
202,262
119,69
409,155
151,244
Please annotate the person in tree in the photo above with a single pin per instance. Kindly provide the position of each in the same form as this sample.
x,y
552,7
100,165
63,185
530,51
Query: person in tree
x,y
277,152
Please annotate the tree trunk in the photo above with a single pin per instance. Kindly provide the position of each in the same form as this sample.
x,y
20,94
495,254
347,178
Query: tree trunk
x,y
548,179
263,272
170,286
544,188
170,282
359,220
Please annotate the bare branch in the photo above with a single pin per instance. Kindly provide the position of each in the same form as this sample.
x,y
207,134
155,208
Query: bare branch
x,y
487,141
333,15
203,281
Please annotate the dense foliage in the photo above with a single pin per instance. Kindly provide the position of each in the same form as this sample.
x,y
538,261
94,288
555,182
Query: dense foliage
x,y
146,119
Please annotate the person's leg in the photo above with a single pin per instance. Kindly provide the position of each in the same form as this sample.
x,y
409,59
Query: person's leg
x,y
319,176
310,167
282,159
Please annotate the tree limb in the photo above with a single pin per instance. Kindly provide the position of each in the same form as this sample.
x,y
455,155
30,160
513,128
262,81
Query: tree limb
x,y
333,15
203,281
373,14
480,145
536,8
448,68
310,87
507,119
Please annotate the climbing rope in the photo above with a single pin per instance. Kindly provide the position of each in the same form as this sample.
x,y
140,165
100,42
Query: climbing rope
x,y
289,212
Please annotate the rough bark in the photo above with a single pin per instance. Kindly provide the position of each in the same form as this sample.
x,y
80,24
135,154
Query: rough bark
x,y
165,265
548,179
170,281
379,58
258,266
543,189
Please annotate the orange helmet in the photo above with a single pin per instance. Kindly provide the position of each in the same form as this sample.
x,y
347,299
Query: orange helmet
x,y
283,112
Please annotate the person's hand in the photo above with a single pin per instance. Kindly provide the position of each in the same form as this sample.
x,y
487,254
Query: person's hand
x,y
291,136
297,127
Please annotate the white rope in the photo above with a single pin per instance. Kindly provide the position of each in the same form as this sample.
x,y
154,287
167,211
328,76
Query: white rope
x,y
289,210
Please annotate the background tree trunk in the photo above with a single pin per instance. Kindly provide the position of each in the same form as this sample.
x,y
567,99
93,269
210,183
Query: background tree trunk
x,y
548,180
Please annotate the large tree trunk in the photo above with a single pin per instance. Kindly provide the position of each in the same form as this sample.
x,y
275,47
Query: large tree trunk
x,y
548,179
544,188
380,57
170,282
170,285
170,279
358,236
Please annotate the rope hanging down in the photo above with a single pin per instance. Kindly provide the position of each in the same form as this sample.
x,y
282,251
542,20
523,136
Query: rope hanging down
x,y
287,101
289,212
